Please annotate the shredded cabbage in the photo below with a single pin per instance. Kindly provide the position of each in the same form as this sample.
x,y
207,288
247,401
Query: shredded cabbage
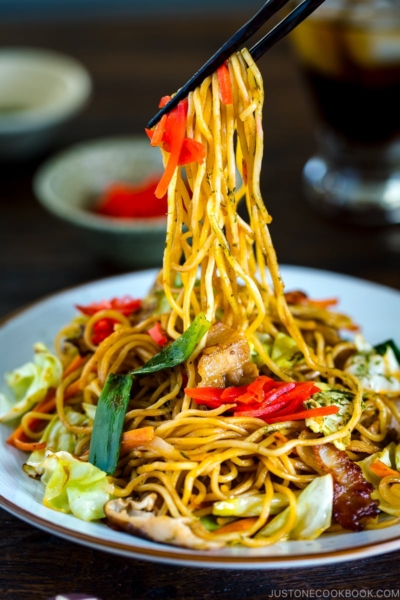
x,y
266,341
31,382
314,512
285,352
90,410
248,506
376,372
73,486
331,423
57,437
397,457
389,457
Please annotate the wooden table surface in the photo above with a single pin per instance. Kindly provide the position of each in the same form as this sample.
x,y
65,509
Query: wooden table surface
x,y
133,63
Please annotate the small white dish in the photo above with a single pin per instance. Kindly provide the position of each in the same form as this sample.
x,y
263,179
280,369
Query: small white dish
x,y
39,91
69,184
374,307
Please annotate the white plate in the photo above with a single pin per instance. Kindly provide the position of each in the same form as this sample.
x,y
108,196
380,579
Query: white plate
x,y
375,307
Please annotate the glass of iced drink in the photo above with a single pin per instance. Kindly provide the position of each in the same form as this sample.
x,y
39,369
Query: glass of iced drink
x,y
349,52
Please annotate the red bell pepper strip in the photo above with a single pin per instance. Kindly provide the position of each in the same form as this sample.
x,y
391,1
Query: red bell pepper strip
x,y
192,151
256,391
205,393
105,327
176,121
102,329
278,397
169,133
227,395
289,394
258,387
125,305
256,412
273,398
296,397
158,335
273,395
164,133
210,403
208,396
225,88
323,411
231,394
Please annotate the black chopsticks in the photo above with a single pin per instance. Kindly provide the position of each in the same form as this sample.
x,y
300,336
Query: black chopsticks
x,y
301,12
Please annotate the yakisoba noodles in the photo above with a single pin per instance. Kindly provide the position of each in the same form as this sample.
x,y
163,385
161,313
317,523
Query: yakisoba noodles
x,y
209,473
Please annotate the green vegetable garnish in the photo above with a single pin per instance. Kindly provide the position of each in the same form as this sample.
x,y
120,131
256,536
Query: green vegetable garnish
x,y
108,422
113,402
180,350
382,348
209,522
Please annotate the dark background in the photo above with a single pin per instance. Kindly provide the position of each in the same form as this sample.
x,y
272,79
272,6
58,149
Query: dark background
x,y
52,9
134,60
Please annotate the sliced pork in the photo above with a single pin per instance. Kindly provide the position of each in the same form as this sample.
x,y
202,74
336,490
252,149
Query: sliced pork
x,y
226,359
352,503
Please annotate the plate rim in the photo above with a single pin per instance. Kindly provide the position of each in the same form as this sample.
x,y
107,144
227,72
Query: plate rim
x,y
194,558
198,559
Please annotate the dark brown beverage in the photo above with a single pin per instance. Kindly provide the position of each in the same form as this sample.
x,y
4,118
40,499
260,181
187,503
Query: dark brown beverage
x,y
353,71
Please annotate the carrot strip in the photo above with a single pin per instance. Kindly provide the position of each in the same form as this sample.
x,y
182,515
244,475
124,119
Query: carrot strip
x,y
322,303
72,390
45,406
17,434
74,365
136,437
237,526
280,437
379,468
29,446
352,327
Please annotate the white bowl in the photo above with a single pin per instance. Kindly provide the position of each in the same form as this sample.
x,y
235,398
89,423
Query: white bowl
x,y
69,184
39,90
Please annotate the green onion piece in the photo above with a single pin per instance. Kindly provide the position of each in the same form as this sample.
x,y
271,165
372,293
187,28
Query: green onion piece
x,y
209,522
180,350
381,349
108,422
